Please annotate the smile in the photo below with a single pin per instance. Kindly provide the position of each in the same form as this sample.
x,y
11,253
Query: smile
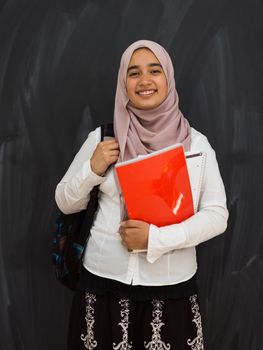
x,y
146,92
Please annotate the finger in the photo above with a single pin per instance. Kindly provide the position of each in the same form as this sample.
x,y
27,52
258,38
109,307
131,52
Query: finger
x,y
124,243
126,246
125,232
114,153
110,141
109,153
121,231
126,227
108,149
113,148
133,223
112,160
110,144
110,157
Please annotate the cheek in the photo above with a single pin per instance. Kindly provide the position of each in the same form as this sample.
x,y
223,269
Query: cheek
x,y
130,88
164,88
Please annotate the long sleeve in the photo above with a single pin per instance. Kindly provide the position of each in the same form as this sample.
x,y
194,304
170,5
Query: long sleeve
x,y
209,221
72,192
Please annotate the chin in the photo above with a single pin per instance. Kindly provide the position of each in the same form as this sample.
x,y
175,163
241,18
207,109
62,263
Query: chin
x,y
149,106
145,104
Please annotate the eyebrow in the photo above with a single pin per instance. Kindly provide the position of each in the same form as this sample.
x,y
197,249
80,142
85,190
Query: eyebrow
x,y
149,65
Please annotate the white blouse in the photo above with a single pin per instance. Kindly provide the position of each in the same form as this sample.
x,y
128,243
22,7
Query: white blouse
x,y
171,256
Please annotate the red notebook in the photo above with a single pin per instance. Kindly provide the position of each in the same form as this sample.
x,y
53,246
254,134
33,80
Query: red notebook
x,y
156,187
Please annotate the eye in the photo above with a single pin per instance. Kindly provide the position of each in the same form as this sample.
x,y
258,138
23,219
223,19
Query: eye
x,y
156,71
133,74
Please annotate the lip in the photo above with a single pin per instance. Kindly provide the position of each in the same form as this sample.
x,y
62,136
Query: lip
x,y
146,93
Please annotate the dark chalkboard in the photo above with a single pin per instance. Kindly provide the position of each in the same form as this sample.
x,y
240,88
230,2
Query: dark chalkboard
x,y
59,61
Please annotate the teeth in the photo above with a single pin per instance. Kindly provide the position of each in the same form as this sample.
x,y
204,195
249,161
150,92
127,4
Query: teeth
x,y
146,92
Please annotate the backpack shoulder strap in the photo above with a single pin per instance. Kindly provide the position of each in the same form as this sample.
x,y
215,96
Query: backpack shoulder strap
x,y
107,130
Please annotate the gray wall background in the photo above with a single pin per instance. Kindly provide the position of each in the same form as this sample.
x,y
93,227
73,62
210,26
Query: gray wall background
x,y
58,66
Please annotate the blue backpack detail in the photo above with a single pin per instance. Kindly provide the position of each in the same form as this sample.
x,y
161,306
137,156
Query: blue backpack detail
x,y
71,233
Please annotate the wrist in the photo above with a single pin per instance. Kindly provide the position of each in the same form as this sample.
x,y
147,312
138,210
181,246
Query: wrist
x,y
95,171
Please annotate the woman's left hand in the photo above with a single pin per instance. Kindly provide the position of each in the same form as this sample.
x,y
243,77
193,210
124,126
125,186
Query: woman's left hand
x,y
134,234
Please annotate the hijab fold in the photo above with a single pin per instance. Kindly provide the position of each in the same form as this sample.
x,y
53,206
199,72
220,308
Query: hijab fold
x,y
141,131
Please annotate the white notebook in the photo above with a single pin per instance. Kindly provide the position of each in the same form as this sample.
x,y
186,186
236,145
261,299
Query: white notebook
x,y
195,164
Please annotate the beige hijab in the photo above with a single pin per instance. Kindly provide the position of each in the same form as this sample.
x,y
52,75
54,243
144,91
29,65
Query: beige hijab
x,y
144,131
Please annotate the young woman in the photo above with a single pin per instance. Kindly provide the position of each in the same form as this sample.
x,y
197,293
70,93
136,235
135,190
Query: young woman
x,y
128,300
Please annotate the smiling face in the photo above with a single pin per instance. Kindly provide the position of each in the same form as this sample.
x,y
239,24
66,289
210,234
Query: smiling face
x,y
146,82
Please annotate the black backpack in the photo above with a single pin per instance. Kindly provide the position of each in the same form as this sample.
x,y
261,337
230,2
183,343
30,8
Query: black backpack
x,y
71,233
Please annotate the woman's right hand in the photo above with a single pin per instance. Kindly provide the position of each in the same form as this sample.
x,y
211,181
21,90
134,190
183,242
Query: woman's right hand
x,y
105,154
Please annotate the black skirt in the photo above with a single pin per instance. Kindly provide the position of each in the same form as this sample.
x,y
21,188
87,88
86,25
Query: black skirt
x,y
106,320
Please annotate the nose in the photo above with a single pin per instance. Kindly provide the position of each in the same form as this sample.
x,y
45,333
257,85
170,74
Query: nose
x,y
145,79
